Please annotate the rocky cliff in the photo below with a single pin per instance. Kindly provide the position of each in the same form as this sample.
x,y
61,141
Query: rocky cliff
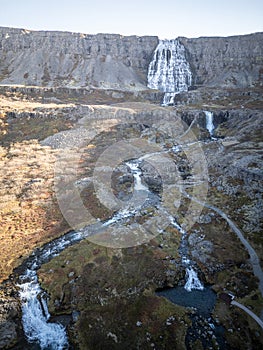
x,y
111,61
235,61
70,59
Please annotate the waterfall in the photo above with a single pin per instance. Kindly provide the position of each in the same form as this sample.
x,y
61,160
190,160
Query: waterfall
x,y
209,123
193,281
169,70
140,196
35,316
168,98
136,172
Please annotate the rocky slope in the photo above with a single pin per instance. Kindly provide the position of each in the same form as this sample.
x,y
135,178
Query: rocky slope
x,y
87,279
234,185
117,62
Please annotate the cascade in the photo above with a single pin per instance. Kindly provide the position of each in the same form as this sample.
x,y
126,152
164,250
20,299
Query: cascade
x,y
168,98
35,316
169,70
193,281
209,122
137,176
133,206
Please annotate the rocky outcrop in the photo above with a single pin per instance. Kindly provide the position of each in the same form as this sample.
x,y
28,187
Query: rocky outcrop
x,y
111,61
9,315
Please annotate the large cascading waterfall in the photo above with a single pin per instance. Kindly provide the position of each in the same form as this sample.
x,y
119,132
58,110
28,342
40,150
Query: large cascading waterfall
x,y
169,70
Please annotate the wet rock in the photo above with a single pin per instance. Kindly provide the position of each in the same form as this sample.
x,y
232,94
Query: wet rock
x,y
151,176
8,334
75,315
201,249
9,317
154,183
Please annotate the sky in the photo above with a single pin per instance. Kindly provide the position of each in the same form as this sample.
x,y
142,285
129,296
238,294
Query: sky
x,y
164,18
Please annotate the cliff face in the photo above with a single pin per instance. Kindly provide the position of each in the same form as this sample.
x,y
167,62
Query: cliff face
x,y
72,59
235,61
113,61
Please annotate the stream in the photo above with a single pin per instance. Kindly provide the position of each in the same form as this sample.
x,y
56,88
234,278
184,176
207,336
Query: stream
x,y
43,334
35,315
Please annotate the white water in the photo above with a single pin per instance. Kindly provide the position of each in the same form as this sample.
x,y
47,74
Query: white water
x,y
135,204
120,216
136,172
193,281
35,313
35,318
168,98
209,122
169,70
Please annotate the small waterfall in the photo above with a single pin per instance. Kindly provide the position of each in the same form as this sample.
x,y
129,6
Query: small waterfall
x,y
193,281
168,98
209,123
169,70
35,316
139,198
136,172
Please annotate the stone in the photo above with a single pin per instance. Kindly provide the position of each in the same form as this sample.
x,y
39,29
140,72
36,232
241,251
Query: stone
x,y
9,313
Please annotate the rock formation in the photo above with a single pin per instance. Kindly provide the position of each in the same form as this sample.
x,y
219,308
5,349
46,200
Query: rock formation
x,y
110,61
76,60
235,61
